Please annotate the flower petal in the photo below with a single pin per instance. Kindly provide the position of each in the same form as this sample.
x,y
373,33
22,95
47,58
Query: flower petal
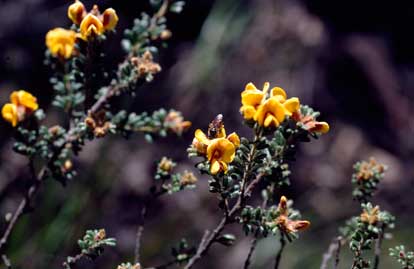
x,y
277,91
201,137
291,105
234,138
250,86
215,167
248,112
321,127
9,113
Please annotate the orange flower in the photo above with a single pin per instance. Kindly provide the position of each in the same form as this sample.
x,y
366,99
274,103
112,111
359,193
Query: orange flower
x,y
61,42
22,104
370,216
76,12
310,124
91,26
284,223
109,19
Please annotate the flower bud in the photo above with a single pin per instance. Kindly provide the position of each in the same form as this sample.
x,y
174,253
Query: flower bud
x,y
109,19
91,26
166,34
76,12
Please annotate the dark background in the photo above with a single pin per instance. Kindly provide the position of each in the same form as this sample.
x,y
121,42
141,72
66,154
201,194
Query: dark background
x,y
351,60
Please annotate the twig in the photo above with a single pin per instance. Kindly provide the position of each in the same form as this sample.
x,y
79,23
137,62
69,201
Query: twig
x,y
378,244
6,261
72,260
253,244
21,209
333,250
140,231
357,255
279,253
338,252
205,245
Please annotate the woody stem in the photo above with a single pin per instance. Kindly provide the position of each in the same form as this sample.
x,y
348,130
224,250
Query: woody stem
x,y
279,253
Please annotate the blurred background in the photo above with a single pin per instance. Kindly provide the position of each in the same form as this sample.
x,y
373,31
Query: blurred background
x,y
351,60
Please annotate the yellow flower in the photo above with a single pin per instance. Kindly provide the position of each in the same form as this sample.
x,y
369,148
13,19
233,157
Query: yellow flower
x,y
76,12
219,149
201,141
109,19
251,98
220,152
22,104
24,99
9,113
61,42
270,113
91,26
234,138
267,109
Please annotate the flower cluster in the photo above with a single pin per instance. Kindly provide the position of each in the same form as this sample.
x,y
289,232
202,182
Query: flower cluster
x,y
21,105
216,146
61,42
370,215
367,170
94,23
267,108
366,176
172,182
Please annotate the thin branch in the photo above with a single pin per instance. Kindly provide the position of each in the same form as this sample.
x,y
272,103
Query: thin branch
x,y
253,244
72,260
21,209
6,261
333,251
279,253
205,245
140,231
338,252
378,244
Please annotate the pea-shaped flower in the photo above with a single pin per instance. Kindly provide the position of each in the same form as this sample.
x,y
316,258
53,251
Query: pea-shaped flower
x,y
220,152
22,104
76,12
284,221
251,98
61,42
109,19
91,26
